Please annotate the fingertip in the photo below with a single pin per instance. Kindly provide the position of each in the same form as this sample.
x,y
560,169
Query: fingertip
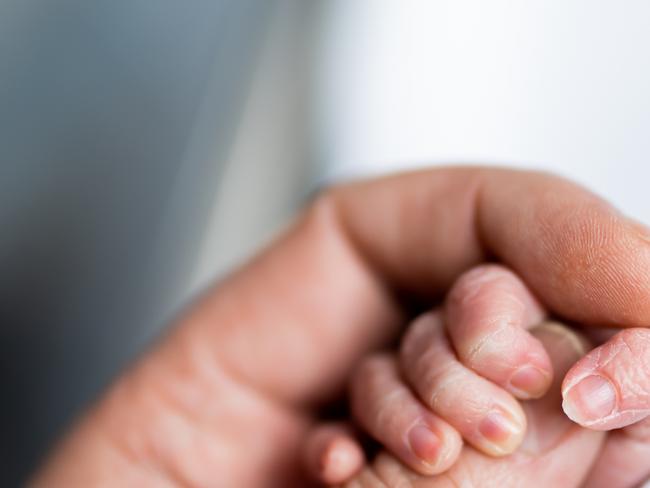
x,y
608,388
591,394
341,459
332,454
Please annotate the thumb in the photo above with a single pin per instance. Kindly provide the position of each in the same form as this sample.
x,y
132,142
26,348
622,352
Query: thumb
x,y
610,387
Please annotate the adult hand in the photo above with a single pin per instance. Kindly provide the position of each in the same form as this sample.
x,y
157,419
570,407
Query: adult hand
x,y
227,397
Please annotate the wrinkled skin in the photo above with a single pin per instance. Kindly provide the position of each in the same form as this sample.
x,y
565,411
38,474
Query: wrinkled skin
x,y
450,383
227,397
555,452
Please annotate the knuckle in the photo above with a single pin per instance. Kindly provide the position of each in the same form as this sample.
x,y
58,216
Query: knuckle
x,y
432,377
637,340
486,351
438,386
385,413
501,348
630,356
626,360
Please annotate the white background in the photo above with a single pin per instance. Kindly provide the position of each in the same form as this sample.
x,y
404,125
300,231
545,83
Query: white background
x,y
556,85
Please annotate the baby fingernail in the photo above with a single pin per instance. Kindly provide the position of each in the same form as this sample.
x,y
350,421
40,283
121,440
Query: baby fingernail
x,y
424,444
529,382
501,433
589,401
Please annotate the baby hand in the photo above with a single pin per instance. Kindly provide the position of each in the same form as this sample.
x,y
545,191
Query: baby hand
x,y
457,376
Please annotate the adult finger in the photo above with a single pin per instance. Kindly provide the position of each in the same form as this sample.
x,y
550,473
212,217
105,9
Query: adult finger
x,y
329,285
488,311
577,254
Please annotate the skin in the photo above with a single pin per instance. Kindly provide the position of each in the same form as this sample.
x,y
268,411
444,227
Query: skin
x,y
486,315
488,312
228,396
540,462
460,369
332,454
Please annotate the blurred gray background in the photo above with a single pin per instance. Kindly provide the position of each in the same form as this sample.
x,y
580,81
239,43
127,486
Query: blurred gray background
x,y
118,126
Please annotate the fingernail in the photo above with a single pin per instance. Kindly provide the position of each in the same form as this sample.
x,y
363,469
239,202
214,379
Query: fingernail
x,y
579,346
589,401
529,382
501,433
424,444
